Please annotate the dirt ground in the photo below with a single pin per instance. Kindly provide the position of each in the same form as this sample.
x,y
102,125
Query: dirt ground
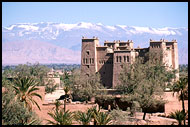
x,y
48,108
151,119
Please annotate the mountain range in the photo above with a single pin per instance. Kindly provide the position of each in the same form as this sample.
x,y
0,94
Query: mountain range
x,y
48,42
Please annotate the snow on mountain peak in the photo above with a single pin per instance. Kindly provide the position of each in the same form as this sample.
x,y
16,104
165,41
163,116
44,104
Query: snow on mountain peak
x,y
10,28
28,27
54,29
65,27
87,25
159,31
122,26
68,27
100,24
112,28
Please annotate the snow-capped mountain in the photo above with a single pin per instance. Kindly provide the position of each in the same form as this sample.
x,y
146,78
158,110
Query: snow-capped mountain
x,y
39,40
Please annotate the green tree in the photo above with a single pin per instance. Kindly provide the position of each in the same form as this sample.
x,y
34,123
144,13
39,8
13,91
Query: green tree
x,y
39,72
25,89
181,87
50,85
85,87
67,96
183,70
66,79
144,81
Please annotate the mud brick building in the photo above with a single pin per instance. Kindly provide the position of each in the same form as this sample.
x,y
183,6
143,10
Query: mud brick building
x,y
108,59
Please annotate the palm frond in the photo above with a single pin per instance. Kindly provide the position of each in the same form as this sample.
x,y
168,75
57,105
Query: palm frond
x,y
84,118
37,105
51,122
35,94
102,118
33,89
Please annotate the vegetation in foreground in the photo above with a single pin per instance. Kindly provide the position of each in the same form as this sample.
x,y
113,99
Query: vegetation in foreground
x,y
14,112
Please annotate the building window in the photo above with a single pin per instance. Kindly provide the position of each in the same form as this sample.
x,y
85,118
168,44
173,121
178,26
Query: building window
x,y
124,57
127,58
117,58
120,58
87,52
86,60
87,66
92,60
83,60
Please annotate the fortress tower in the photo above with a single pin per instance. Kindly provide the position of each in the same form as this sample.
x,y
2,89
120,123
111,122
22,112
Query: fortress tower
x,y
170,53
89,55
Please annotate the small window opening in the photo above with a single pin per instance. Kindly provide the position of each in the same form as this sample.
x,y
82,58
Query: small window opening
x,y
87,52
127,58
124,57
86,60
120,58
92,60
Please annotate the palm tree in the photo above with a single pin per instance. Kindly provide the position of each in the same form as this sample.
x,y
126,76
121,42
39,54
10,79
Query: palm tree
x,y
66,89
102,118
84,118
178,115
60,117
181,88
94,112
25,88
57,104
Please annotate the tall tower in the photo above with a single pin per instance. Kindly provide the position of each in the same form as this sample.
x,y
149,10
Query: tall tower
x,y
170,53
89,55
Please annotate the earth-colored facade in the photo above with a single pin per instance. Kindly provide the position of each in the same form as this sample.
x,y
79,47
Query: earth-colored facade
x,y
108,59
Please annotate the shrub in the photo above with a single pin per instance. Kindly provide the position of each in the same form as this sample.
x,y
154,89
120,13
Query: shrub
x,y
50,86
118,116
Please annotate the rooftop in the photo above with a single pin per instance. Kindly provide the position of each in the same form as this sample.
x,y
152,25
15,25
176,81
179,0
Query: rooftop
x,y
163,40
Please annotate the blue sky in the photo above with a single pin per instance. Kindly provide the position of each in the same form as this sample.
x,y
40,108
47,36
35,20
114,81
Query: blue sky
x,y
147,14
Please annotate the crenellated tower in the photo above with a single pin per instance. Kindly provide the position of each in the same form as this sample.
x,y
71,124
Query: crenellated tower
x,y
89,55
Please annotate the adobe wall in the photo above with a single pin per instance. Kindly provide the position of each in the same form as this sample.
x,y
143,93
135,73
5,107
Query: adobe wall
x,y
117,65
105,66
173,103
